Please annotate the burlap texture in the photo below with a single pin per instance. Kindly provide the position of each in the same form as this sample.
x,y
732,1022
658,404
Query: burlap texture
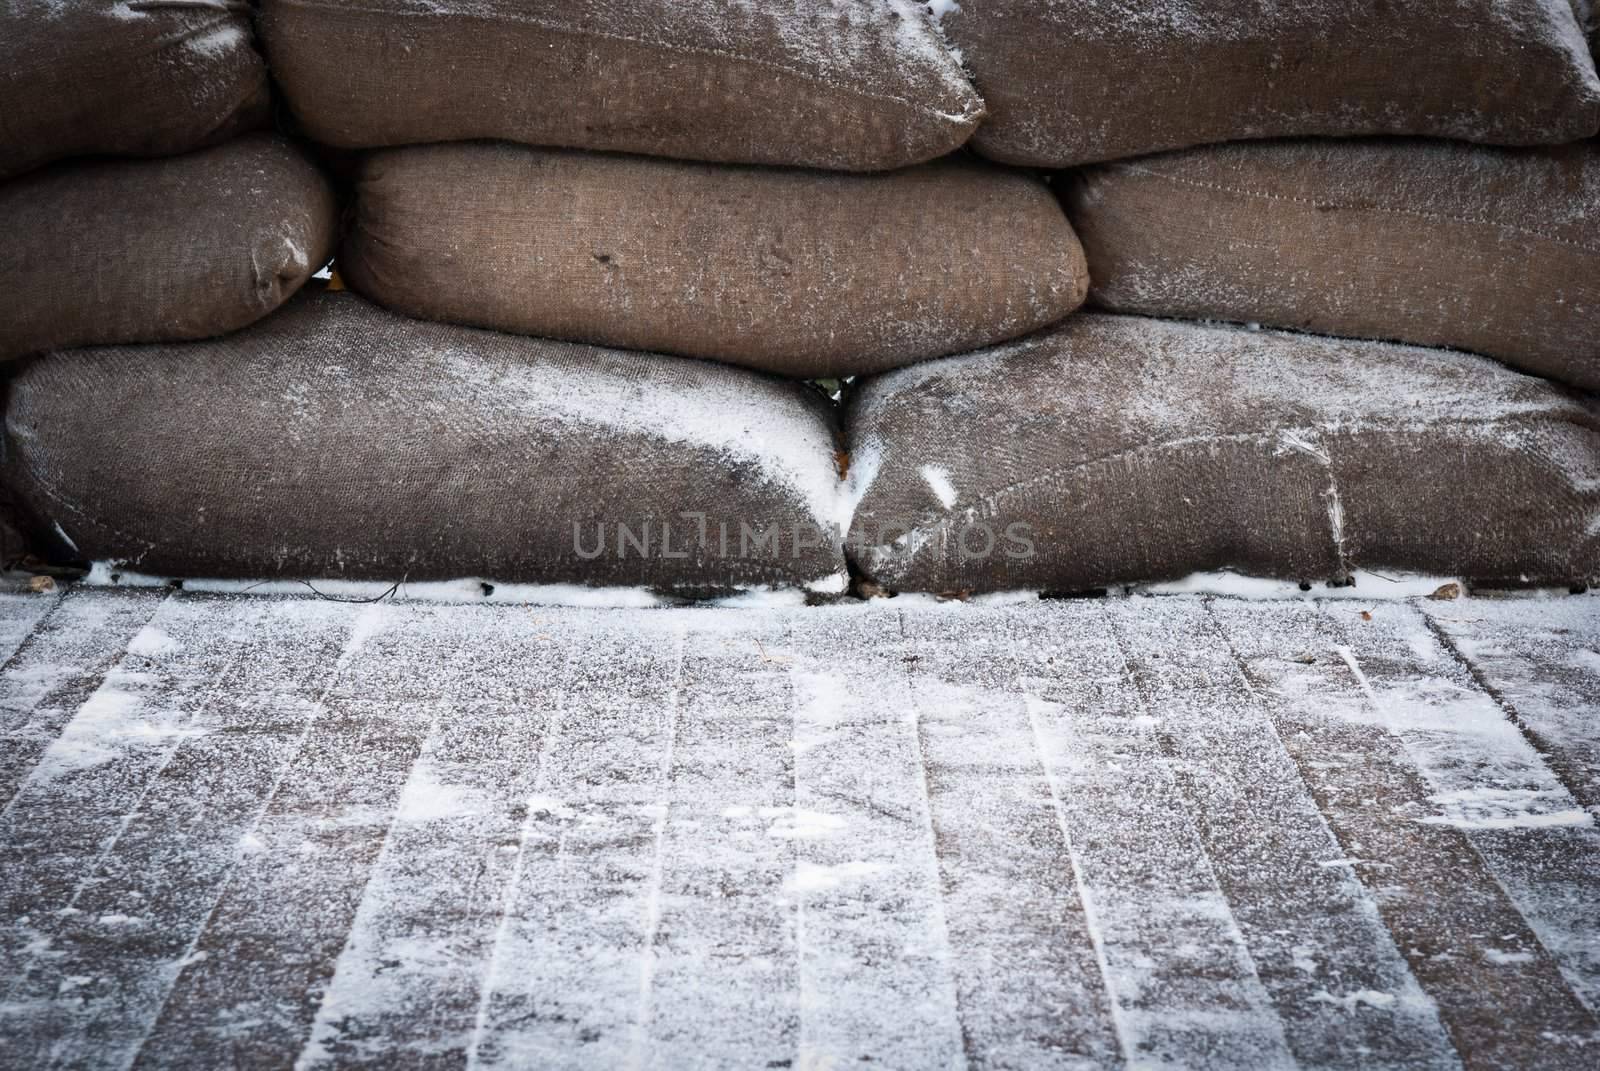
x,y
186,247
124,77
335,439
1145,450
1439,243
853,85
1068,82
801,273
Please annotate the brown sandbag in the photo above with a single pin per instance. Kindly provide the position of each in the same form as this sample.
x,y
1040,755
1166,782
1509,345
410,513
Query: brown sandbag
x,y
125,78
1437,243
1117,449
801,273
851,85
1069,83
116,251
335,439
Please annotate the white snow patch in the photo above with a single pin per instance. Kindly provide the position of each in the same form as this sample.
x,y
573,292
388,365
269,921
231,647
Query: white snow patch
x,y
110,715
1367,586
1372,998
62,532
1423,646
117,919
1505,808
1506,959
151,642
865,463
218,42
1586,660
819,702
428,799
783,440
813,877
797,823
938,481
836,584
549,805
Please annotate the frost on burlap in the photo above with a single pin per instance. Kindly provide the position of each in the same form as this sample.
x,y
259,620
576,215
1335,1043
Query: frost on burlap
x,y
1433,242
115,251
854,85
802,273
335,439
124,77
1076,81
1135,450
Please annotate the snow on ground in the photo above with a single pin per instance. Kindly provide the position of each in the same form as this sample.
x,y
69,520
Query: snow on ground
x,y
1154,830
1365,586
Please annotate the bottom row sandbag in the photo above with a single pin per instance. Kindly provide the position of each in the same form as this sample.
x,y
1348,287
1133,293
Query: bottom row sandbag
x,y
1119,449
335,439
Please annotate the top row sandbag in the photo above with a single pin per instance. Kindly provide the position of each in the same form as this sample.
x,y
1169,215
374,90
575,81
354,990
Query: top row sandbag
x,y
849,85
1070,82
124,78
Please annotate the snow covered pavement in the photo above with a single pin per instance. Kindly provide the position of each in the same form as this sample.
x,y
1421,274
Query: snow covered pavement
x,y
1156,831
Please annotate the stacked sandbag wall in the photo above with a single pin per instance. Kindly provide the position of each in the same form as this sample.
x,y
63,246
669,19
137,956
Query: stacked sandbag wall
x,y
144,197
590,259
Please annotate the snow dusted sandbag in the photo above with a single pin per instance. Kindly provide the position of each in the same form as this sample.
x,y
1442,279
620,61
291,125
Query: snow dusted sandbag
x,y
1075,81
338,440
852,85
1120,449
114,251
803,273
124,77
1439,243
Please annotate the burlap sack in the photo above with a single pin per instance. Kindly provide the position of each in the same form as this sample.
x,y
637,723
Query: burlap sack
x,y
1440,243
115,251
124,77
338,440
802,273
853,85
1120,449
1068,83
